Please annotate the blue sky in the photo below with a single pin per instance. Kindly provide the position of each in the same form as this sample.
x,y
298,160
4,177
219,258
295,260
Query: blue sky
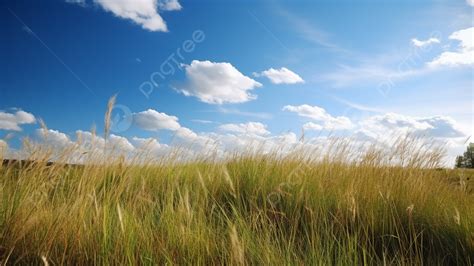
x,y
260,68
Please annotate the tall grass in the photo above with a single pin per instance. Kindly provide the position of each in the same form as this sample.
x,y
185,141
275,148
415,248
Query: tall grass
x,y
249,209
338,204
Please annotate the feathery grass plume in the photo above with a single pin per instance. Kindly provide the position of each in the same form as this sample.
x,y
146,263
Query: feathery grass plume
x,y
42,124
45,260
120,216
457,216
108,114
237,247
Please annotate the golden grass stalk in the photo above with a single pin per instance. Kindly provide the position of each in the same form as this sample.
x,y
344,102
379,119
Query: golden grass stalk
x,y
108,114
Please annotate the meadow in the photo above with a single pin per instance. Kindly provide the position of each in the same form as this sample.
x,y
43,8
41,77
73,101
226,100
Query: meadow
x,y
250,208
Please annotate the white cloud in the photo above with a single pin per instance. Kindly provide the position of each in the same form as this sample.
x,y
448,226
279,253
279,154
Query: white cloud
x,y
150,145
419,43
442,127
142,12
318,114
86,144
253,128
217,83
153,121
119,143
186,133
54,138
242,143
91,142
9,121
380,130
281,76
202,121
169,5
470,2
192,139
453,59
464,55
312,126
396,124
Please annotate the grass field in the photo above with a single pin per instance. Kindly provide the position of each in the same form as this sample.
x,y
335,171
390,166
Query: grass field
x,y
249,209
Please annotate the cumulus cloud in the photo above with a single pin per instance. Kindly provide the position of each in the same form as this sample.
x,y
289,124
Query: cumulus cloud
x,y
281,76
152,120
464,55
90,142
379,130
470,2
217,83
12,121
87,141
142,12
232,143
320,115
144,143
150,145
419,43
435,126
119,143
85,144
254,128
186,133
312,126
54,138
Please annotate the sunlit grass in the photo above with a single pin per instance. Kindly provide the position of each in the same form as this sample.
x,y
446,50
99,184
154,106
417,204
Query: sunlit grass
x,y
343,203
366,207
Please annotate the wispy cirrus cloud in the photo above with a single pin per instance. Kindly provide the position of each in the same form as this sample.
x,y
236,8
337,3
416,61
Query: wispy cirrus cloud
x,y
379,69
235,111
310,32
358,106
202,121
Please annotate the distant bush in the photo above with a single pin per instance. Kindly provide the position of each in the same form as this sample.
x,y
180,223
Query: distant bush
x,y
467,159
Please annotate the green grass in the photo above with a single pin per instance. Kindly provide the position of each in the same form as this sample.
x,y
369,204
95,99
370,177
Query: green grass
x,y
249,209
